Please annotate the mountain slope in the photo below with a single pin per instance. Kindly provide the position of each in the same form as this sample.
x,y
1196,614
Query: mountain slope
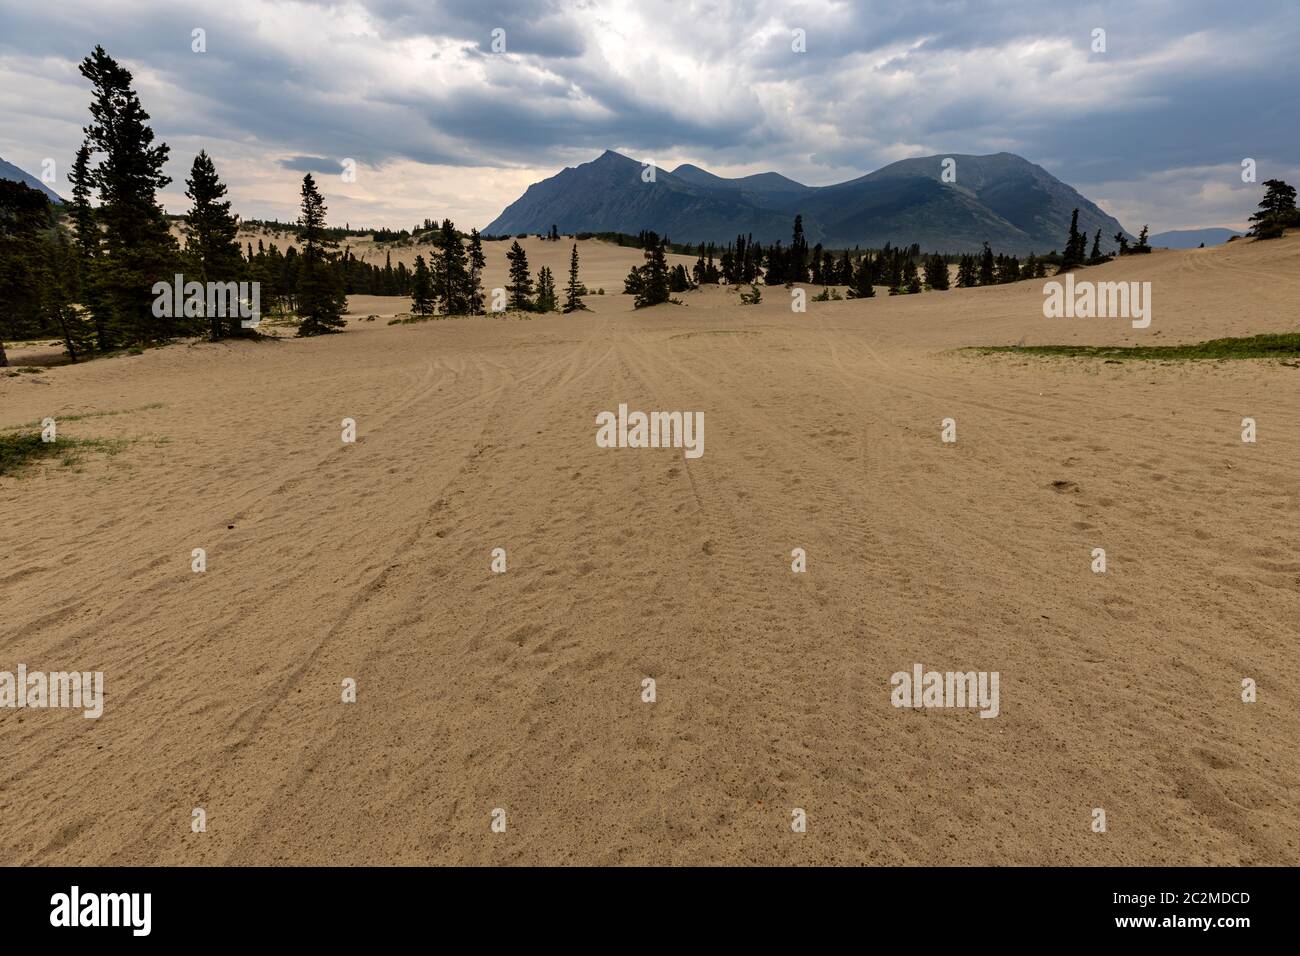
x,y
12,172
1003,199
609,195
1028,206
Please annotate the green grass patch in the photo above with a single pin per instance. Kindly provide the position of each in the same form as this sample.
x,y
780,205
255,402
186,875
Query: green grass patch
x,y
60,419
18,450
1285,345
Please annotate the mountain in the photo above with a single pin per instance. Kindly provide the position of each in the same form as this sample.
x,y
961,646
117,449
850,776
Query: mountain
x,y
1014,205
1191,238
10,171
759,188
609,195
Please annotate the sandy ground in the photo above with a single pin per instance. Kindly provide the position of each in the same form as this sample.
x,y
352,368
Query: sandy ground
x,y
522,690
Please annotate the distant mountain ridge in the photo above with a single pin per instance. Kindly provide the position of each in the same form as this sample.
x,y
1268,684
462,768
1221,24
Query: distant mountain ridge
x,y
11,172
1013,204
1191,238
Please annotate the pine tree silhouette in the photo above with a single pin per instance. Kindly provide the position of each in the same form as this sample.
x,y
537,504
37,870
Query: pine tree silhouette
x,y
211,252
573,291
520,288
320,297
137,246
422,301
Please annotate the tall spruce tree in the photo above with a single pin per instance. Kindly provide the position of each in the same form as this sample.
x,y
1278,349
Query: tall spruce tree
x,y
422,301
546,300
24,214
778,263
574,289
520,288
477,262
936,272
211,252
655,287
966,276
320,296
452,272
797,262
138,249
58,279
986,266
87,238
864,278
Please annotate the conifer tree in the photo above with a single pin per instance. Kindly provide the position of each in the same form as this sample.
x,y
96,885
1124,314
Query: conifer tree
x,y
797,261
678,280
634,282
1074,244
1277,210
477,262
452,272
520,288
909,282
320,297
699,270
573,291
1142,245
778,261
87,238
863,286
138,248
655,284
966,277
57,275
24,213
986,266
936,272
422,300
211,249
844,275
546,300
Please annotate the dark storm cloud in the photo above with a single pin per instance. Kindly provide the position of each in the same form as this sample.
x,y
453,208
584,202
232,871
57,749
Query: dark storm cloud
x,y
533,27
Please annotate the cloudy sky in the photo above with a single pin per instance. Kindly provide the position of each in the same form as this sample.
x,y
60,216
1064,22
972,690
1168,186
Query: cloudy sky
x,y
1154,129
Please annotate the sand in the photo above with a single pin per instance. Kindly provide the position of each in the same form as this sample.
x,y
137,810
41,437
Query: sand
x,y
523,691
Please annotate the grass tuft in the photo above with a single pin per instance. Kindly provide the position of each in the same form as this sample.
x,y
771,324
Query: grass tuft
x,y
18,450
1284,345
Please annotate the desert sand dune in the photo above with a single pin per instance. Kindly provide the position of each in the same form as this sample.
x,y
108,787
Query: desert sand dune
x,y
522,690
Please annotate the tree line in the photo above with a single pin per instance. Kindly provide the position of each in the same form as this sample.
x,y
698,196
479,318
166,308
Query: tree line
x,y
903,270
86,271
